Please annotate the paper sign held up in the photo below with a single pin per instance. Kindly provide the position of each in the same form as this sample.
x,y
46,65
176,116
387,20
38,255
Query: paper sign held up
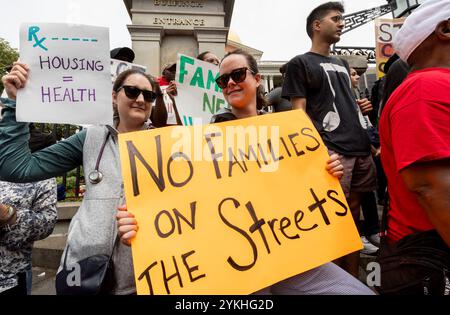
x,y
385,31
221,214
119,66
69,79
199,97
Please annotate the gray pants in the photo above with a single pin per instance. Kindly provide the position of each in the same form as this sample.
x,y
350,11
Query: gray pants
x,y
327,279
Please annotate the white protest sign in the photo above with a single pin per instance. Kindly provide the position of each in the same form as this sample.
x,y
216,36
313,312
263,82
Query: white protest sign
x,y
69,79
119,66
199,97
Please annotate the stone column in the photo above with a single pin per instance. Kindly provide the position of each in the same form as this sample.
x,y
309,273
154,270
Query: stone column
x,y
211,39
146,45
163,28
266,84
270,83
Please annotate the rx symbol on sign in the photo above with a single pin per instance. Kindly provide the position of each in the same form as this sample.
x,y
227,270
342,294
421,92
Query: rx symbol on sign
x,y
32,36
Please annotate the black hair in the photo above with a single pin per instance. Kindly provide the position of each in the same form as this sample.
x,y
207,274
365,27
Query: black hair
x,y
397,73
169,71
320,12
261,101
202,55
123,76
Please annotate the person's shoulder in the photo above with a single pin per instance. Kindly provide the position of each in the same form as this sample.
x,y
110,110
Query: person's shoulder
x,y
414,91
95,129
25,189
275,92
299,58
340,61
93,133
430,75
224,114
50,182
420,82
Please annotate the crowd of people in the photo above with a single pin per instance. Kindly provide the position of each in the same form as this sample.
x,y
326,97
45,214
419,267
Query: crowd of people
x,y
411,143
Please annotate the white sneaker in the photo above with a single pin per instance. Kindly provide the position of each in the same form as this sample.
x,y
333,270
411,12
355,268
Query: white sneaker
x,y
374,239
369,248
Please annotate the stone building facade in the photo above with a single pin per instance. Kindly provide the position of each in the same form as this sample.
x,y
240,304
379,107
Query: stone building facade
x,y
161,29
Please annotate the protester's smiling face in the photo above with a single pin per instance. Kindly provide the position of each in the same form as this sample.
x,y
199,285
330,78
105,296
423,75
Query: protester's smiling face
x,y
239,95
331,26
136,109
211,58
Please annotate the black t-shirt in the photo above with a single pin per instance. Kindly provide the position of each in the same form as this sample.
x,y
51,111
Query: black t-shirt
x,y
325,83
278,103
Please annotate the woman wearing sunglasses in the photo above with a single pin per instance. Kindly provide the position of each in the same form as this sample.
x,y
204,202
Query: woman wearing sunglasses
x,y
93,230
240,82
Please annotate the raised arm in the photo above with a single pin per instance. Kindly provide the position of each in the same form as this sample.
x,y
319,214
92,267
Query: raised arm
x,y
17,163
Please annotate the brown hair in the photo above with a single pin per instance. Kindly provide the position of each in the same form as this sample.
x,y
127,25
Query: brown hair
x,y
119,82
202,55
261,101
319,13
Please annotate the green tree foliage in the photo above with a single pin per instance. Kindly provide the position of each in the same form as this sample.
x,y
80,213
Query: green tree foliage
x,y
7,56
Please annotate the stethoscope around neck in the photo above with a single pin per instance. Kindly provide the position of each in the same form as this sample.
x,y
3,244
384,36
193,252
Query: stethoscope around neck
x,y
96,175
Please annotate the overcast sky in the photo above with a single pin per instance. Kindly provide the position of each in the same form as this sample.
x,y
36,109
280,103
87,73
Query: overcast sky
x,y
276,27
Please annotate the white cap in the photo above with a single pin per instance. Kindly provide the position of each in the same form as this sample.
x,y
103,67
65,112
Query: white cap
x,y
419,25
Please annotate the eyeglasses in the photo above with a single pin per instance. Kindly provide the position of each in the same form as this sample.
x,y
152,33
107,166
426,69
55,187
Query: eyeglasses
x,y
238,76
133,93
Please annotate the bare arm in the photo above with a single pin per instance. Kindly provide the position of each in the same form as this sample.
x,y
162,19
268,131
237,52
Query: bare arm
x,y
298,103
430,181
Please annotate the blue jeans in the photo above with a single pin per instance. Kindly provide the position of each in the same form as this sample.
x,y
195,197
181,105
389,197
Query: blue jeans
x,y
29,277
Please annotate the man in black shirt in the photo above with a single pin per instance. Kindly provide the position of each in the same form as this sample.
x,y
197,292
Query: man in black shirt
x,y
321,85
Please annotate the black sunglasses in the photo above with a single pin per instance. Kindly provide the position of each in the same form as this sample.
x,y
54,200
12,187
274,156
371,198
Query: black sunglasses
x,y
238,76
133,93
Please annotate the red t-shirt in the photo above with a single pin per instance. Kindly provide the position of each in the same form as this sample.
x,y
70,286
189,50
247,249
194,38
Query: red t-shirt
x,y
414,127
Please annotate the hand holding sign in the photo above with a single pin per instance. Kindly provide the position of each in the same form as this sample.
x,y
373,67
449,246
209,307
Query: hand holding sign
x,y
16,79
127,225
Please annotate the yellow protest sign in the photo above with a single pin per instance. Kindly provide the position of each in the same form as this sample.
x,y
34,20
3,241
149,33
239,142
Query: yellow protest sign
x,y
233,207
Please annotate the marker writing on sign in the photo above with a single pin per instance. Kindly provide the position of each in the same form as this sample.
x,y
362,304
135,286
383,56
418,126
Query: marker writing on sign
x,y
294,145
276,230
66,63
32,35
271,231
160,267
71,95
291,148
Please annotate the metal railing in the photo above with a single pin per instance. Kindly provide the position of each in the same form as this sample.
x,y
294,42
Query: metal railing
x,y
61,132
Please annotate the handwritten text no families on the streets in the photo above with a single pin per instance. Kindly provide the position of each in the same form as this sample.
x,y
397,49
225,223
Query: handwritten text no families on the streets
x,y
234,207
